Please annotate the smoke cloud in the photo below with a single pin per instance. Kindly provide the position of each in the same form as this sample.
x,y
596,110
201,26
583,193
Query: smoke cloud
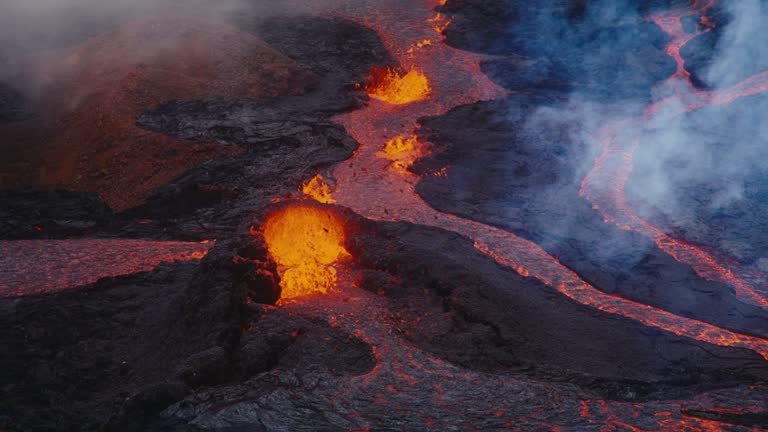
x,y
700,175
703,174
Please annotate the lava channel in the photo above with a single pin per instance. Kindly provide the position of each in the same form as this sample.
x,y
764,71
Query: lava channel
x,y
366,185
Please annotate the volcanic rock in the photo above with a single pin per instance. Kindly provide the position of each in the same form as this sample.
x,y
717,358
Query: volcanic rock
x,y
456,302
708,185
98,89
340,65
500,173
28,214
565,45
287,139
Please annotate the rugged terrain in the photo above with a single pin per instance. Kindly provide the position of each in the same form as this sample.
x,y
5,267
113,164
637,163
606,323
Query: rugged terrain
x,y
489,280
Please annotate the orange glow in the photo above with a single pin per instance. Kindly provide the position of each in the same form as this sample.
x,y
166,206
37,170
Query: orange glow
x,y
403,152
419,45
305,241
388,85
366,188
318,190
440,22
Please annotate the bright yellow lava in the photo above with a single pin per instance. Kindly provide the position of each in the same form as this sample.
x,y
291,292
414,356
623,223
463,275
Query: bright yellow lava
x,y
388,85
305,241
318,190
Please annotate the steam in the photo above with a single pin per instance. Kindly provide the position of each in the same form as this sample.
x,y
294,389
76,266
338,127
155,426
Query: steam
x,y
712,162
742,48
691,170
30,28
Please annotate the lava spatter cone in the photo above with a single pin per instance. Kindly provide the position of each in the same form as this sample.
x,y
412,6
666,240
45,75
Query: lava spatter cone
x,y
306,240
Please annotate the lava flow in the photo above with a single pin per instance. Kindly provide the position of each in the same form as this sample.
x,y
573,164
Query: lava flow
x,y
47,266
604,185
305,241
366,185
671,23
376,184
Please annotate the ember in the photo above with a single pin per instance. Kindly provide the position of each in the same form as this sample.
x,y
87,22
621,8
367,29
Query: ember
x,y
403,152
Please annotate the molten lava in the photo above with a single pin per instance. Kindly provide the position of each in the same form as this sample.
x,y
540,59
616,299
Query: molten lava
x,y
375,194
403,152
305,241
386,84
92,94
49,266
318,190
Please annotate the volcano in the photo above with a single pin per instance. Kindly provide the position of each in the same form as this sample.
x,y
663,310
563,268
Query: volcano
x,y
391,215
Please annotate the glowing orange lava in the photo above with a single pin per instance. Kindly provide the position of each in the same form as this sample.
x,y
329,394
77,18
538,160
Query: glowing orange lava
x,y
403,152
318,190
440,22
305,241
387,85
604,184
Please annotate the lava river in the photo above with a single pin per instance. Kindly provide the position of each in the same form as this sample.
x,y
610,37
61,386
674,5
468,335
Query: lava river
x,y
374,184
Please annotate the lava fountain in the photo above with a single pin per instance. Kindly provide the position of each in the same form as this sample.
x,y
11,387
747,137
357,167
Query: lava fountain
x,y
318,189
305,240
386,84
403,152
